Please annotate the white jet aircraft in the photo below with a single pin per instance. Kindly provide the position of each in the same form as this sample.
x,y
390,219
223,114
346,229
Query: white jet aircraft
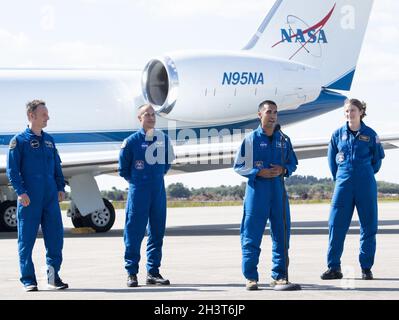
x,y
302,52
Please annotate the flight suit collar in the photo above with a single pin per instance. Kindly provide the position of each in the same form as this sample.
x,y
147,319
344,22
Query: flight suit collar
x,y
142,132
361,129
30,134
259,130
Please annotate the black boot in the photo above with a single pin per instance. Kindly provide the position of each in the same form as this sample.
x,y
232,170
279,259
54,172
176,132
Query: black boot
x,y
367,274
157,279
132,280
57,284
331,274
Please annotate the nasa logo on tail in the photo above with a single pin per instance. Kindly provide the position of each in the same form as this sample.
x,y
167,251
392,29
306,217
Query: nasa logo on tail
x,y
306,35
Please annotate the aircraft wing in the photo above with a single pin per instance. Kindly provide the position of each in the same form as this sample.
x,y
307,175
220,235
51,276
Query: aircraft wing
x,y
219,156
308,149
189,158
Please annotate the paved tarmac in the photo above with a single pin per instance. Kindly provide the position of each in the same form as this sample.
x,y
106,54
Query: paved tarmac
x,y
202,259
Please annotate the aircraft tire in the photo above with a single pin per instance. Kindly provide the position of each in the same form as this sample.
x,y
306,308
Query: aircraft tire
x,y
101,221
77,222
8,216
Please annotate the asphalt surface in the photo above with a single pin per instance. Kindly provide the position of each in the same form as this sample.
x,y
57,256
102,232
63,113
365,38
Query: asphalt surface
x,y
202,259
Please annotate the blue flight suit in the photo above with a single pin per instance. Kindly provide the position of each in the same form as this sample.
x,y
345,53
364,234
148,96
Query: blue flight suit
x,y
264,199
143,162
353,161
34,168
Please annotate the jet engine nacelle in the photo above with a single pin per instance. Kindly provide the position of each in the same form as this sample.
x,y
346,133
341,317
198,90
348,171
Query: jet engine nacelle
x,y
220,87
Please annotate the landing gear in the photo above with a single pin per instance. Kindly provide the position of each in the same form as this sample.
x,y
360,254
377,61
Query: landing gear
x,y
8,216
100,220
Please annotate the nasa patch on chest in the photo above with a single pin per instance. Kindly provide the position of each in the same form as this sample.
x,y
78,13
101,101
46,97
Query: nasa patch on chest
x,y
139,164
364,138
34,144
263,144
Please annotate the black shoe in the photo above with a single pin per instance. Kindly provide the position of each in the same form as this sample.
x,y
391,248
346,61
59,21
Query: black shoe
x,y
157,279
30,287
367,274
57,284
331,274
132,280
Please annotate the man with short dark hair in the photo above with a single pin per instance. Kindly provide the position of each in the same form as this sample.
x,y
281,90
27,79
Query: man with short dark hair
x,y
144,159
265,157
34,170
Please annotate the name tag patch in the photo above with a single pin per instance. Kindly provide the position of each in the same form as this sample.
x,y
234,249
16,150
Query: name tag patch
x,y
364,138
263,144
49,144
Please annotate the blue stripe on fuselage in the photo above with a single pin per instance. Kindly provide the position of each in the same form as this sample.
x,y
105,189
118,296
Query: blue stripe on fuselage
x,y
327,101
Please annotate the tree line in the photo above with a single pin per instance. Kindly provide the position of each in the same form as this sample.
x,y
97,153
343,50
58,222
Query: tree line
x,y
298,187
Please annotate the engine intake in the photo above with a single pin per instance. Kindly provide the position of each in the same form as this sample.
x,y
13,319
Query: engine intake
x,y
160,84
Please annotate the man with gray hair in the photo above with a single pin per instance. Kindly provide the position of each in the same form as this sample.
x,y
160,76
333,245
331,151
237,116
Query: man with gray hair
x,y
34,170
144,159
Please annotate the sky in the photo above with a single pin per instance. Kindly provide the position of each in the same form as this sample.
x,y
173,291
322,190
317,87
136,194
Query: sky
x,y
126,34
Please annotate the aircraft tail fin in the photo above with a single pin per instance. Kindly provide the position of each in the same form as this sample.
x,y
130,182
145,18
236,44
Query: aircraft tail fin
x,y
324,34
